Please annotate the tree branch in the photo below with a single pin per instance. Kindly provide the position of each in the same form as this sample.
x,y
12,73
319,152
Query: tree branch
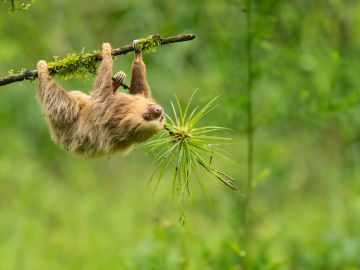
x,y
32,74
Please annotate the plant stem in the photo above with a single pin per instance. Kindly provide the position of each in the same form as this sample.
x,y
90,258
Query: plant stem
x,y
250,127
32,74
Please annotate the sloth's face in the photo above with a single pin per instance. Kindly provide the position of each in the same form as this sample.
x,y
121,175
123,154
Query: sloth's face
x,y
153,117
154,112
146,118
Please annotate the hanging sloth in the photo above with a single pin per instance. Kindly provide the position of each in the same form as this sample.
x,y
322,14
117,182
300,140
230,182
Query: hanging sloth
x,y
106,121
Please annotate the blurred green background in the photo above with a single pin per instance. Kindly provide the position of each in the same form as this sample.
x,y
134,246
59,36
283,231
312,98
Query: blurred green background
x,y
59,211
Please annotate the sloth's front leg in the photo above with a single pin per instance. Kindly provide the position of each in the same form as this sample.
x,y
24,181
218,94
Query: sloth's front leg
x,y
118,80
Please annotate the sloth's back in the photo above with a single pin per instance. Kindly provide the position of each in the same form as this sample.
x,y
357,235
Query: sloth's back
x,y
85,136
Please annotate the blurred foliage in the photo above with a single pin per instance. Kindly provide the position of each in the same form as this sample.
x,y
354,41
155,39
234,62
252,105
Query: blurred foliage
x,y
59,211
17,5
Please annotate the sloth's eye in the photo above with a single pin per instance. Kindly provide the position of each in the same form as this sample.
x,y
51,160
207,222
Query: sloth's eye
x,y
147,116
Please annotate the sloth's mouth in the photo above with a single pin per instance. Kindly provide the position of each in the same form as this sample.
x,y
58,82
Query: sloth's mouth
x,y
162,117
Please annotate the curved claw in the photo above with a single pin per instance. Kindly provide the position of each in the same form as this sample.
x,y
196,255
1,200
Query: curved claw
x,y
137,53
106,49
119,77
118,80
135,43
42,66
106,46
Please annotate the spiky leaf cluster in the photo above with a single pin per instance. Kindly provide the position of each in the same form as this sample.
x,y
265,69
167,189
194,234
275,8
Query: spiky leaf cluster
x,y
186,150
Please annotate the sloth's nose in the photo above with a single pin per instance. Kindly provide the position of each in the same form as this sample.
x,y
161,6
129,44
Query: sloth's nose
x,y
156,111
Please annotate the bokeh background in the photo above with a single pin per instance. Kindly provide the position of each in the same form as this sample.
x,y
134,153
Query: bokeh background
x,y
59,211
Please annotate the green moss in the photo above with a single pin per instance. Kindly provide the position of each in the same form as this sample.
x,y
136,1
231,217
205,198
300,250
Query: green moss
x,y
79,66
74,65
148,44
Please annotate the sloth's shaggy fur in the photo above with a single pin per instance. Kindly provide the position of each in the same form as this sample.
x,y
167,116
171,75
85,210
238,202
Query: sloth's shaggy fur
x,y
104,121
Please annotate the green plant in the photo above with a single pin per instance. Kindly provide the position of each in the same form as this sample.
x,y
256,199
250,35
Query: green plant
x,y
17,5
148,44
79,66
74,65
184,149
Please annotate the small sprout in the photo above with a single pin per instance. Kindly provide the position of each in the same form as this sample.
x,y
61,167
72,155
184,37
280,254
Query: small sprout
x,y
186,149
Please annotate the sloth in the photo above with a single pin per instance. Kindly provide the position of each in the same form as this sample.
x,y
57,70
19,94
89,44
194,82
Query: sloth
x,y
105,121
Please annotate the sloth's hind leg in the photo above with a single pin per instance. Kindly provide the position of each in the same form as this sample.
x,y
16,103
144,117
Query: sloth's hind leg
x,y
58,105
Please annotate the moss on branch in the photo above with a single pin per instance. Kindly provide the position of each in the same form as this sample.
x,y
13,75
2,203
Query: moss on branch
x,y
82,64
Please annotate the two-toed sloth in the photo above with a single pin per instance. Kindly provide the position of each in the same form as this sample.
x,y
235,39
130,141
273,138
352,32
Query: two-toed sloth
x,y
104,121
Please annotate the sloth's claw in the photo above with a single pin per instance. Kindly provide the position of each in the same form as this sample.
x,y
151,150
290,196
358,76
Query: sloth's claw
x,y
135,43
118,79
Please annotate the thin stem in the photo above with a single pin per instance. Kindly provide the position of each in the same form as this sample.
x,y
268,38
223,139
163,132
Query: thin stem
x,y
250,124
250,102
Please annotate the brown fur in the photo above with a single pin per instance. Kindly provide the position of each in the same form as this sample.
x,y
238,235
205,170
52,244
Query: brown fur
x,y
104,121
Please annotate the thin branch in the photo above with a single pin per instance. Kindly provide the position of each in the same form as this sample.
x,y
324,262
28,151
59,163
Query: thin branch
x,y
32,74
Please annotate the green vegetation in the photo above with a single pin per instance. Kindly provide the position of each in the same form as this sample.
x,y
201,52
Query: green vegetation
x,y
75,65
148,44
184,148
81,65
59,211
17,5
